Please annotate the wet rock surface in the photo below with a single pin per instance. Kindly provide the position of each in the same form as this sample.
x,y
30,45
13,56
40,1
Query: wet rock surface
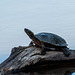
x,y
29,58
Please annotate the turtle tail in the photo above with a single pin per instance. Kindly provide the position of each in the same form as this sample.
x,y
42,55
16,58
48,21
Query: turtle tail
x,y
66,51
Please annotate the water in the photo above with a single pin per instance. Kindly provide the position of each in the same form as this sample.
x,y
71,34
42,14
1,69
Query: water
x,y
53,16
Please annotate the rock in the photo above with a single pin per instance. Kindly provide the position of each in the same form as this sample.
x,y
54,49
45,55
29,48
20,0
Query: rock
x,y
29,58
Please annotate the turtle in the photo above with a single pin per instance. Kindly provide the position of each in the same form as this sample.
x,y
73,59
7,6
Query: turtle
x,y
48,40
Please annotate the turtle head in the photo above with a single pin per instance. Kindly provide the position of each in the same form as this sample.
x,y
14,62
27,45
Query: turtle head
x,y
29,33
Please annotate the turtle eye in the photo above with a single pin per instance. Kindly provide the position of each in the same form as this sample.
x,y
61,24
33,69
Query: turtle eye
x,y
31,34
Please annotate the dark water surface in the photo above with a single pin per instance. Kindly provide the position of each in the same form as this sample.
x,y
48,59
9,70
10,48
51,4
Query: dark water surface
x,y
53,16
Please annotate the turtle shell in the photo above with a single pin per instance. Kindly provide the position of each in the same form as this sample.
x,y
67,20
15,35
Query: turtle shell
x,y
51,38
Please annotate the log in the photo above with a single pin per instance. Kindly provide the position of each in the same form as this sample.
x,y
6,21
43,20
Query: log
x,y
29,58
57,71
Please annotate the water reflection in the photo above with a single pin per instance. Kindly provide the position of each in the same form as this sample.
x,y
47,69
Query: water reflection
x,y
73,73
55,71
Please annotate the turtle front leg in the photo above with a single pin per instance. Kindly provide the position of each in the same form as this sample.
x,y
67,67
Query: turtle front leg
x,y
31,43
43,52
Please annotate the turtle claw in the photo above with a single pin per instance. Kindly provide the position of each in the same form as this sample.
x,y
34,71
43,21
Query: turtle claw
x,y
43,52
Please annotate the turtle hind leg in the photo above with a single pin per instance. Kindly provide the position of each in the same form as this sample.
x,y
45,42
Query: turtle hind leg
x,y
66,51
